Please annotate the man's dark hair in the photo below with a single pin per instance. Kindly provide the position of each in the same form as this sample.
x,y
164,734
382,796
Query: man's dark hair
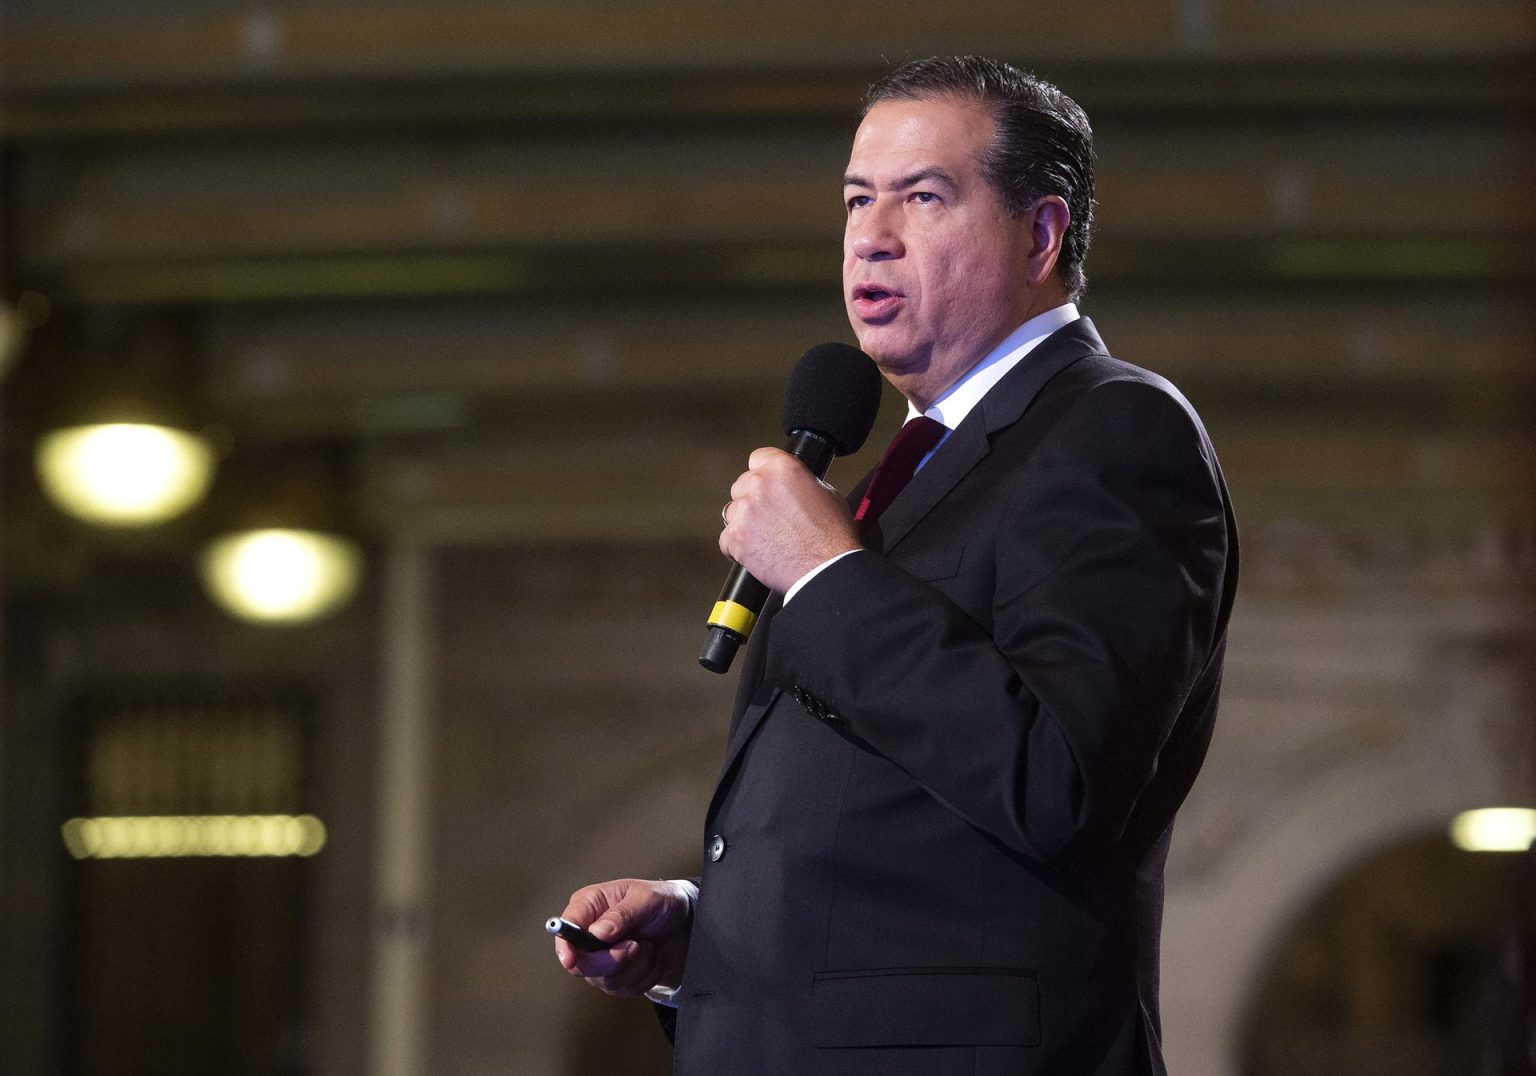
x,y
1043,144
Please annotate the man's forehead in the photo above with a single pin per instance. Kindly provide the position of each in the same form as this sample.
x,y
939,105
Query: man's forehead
x,y
906,135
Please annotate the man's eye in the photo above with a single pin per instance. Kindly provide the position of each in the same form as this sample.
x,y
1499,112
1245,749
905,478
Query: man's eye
x,y
858,201
924,197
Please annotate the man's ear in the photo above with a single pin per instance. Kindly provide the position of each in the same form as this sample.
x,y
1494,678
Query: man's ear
x,y
1048,223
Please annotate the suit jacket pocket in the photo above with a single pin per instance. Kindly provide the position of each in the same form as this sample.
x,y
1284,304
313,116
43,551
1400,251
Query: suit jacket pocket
x,y
933,566
927,1007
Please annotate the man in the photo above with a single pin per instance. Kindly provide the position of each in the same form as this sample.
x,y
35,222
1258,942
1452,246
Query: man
x,y
937,844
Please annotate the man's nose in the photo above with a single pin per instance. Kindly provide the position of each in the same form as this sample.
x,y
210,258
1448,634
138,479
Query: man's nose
x,y
874,235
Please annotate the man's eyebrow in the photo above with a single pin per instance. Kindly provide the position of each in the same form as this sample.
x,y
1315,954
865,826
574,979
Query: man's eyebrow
x,y
911,179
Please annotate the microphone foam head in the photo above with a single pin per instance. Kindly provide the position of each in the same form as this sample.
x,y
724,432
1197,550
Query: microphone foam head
x,y
834,391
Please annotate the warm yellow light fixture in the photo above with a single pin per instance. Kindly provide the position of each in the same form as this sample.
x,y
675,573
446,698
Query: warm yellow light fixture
x,y
1495,829
124,474
176,836
281,576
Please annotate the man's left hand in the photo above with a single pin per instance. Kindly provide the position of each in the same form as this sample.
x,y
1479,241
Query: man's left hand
x,y
782,521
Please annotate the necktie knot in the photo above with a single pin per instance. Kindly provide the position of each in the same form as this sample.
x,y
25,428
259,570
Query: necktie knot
x,y
912,442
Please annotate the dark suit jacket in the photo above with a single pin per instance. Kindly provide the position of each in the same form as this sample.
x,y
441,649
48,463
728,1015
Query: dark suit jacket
x,y
955,760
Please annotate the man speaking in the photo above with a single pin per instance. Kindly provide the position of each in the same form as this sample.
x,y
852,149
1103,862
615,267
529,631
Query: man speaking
x,y
968,716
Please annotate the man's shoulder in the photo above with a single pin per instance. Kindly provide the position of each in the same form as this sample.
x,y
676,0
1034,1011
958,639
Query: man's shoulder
x,y
1099,405
1114,381
1100,367
1075,374
1093,372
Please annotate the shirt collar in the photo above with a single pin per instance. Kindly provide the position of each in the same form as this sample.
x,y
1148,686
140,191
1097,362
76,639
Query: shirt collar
x,y
957,402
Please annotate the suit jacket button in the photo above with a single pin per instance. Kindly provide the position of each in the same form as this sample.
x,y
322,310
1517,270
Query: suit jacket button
x,y
716,848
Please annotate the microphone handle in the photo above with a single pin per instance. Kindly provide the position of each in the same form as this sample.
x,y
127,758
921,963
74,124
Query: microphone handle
x,y
735,613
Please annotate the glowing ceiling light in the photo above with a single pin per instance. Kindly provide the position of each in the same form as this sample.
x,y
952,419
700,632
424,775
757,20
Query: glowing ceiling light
x,y
124,474
178,836
1495,829
281,576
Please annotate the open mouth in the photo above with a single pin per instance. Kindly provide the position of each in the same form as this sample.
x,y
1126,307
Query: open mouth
x,y
873,303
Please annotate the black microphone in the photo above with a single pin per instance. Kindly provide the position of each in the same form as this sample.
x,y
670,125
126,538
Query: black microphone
x,y
829,409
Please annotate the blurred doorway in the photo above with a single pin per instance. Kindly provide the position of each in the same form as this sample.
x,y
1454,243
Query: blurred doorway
x,y
187,895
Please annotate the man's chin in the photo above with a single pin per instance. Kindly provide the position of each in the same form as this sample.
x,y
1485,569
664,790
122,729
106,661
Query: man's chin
x,y
893,361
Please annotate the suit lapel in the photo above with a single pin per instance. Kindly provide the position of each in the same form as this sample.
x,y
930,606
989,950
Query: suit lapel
x,y
753,697
971,441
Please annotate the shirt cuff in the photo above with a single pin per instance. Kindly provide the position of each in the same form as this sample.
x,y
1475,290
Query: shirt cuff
x,y
667,995
663,995
813,573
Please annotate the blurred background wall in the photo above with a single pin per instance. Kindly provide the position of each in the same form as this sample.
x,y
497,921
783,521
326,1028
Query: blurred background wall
x,y
504,293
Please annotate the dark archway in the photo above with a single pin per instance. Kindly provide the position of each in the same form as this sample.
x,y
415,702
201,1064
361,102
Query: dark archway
x,y
1399,968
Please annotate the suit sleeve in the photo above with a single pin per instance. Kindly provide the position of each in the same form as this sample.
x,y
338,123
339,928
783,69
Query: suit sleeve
x,y
1043,727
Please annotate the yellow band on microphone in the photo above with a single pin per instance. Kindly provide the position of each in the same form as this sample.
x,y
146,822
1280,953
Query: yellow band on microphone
x,y
732,615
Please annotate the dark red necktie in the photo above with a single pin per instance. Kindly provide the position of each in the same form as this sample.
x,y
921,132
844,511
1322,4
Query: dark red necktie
x,y
912,442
